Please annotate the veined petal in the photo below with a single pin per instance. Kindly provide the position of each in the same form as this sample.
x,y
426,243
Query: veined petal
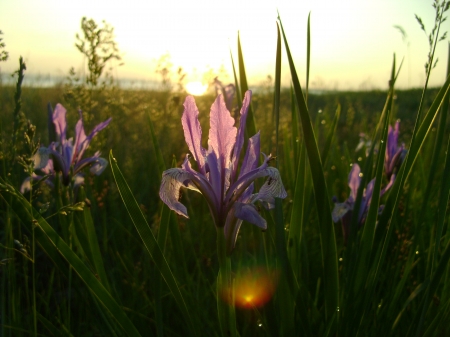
x,y
193,132
240,134
169,191
59,120
273,187
222,133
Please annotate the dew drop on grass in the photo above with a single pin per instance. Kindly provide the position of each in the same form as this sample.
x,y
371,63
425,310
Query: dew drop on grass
x,y
333,167
323,122
341,259
359,158
320,111
360,175
417,252
382,141
337,309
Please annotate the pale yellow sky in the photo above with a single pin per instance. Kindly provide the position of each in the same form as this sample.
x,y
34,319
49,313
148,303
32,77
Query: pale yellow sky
x,y
352,41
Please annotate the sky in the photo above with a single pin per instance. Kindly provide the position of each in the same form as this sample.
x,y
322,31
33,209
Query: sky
x,y
352,41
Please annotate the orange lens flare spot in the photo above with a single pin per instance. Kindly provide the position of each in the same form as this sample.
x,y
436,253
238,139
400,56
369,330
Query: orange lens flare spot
x,y
253,288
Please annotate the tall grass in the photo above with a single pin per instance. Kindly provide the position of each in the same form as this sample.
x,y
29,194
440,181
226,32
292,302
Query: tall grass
x,y
112,260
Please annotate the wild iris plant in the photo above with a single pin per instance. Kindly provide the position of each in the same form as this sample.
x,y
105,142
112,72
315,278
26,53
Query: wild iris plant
x,y
393,159
229,195
343,211
66,156
394,153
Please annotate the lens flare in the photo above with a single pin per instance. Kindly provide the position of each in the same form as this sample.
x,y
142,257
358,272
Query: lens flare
x,y
253,287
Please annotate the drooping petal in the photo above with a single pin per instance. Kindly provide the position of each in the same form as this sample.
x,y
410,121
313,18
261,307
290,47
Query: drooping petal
x,y
99,166
26,185
169,192
59,120
354,180
273,187
193,132
41,158
339,210
222,133
78,180
249,213
240,135
48,169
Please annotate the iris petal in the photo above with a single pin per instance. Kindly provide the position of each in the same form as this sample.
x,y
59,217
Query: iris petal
x,y
41,158
248,212
169,192
193,132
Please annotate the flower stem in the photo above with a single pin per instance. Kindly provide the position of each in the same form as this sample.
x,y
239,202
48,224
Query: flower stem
x,y
225,288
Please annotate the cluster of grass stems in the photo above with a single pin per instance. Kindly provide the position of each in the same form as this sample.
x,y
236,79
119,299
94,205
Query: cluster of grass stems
x,y
112,260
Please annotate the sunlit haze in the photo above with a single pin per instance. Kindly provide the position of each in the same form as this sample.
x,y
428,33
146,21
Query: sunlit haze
x,y
352,47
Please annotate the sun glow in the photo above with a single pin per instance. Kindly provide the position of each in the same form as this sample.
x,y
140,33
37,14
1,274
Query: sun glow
x,y
253,288
196,88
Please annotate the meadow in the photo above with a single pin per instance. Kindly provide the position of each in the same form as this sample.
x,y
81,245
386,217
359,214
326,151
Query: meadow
x,y
358,246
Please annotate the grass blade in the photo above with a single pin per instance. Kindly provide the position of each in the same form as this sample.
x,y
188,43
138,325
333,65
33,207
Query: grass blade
x,y
22,209
149,239
328,240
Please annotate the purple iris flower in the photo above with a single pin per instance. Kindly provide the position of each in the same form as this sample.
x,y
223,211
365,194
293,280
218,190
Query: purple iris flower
x,y
394,153
66,156
229,195
343,211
